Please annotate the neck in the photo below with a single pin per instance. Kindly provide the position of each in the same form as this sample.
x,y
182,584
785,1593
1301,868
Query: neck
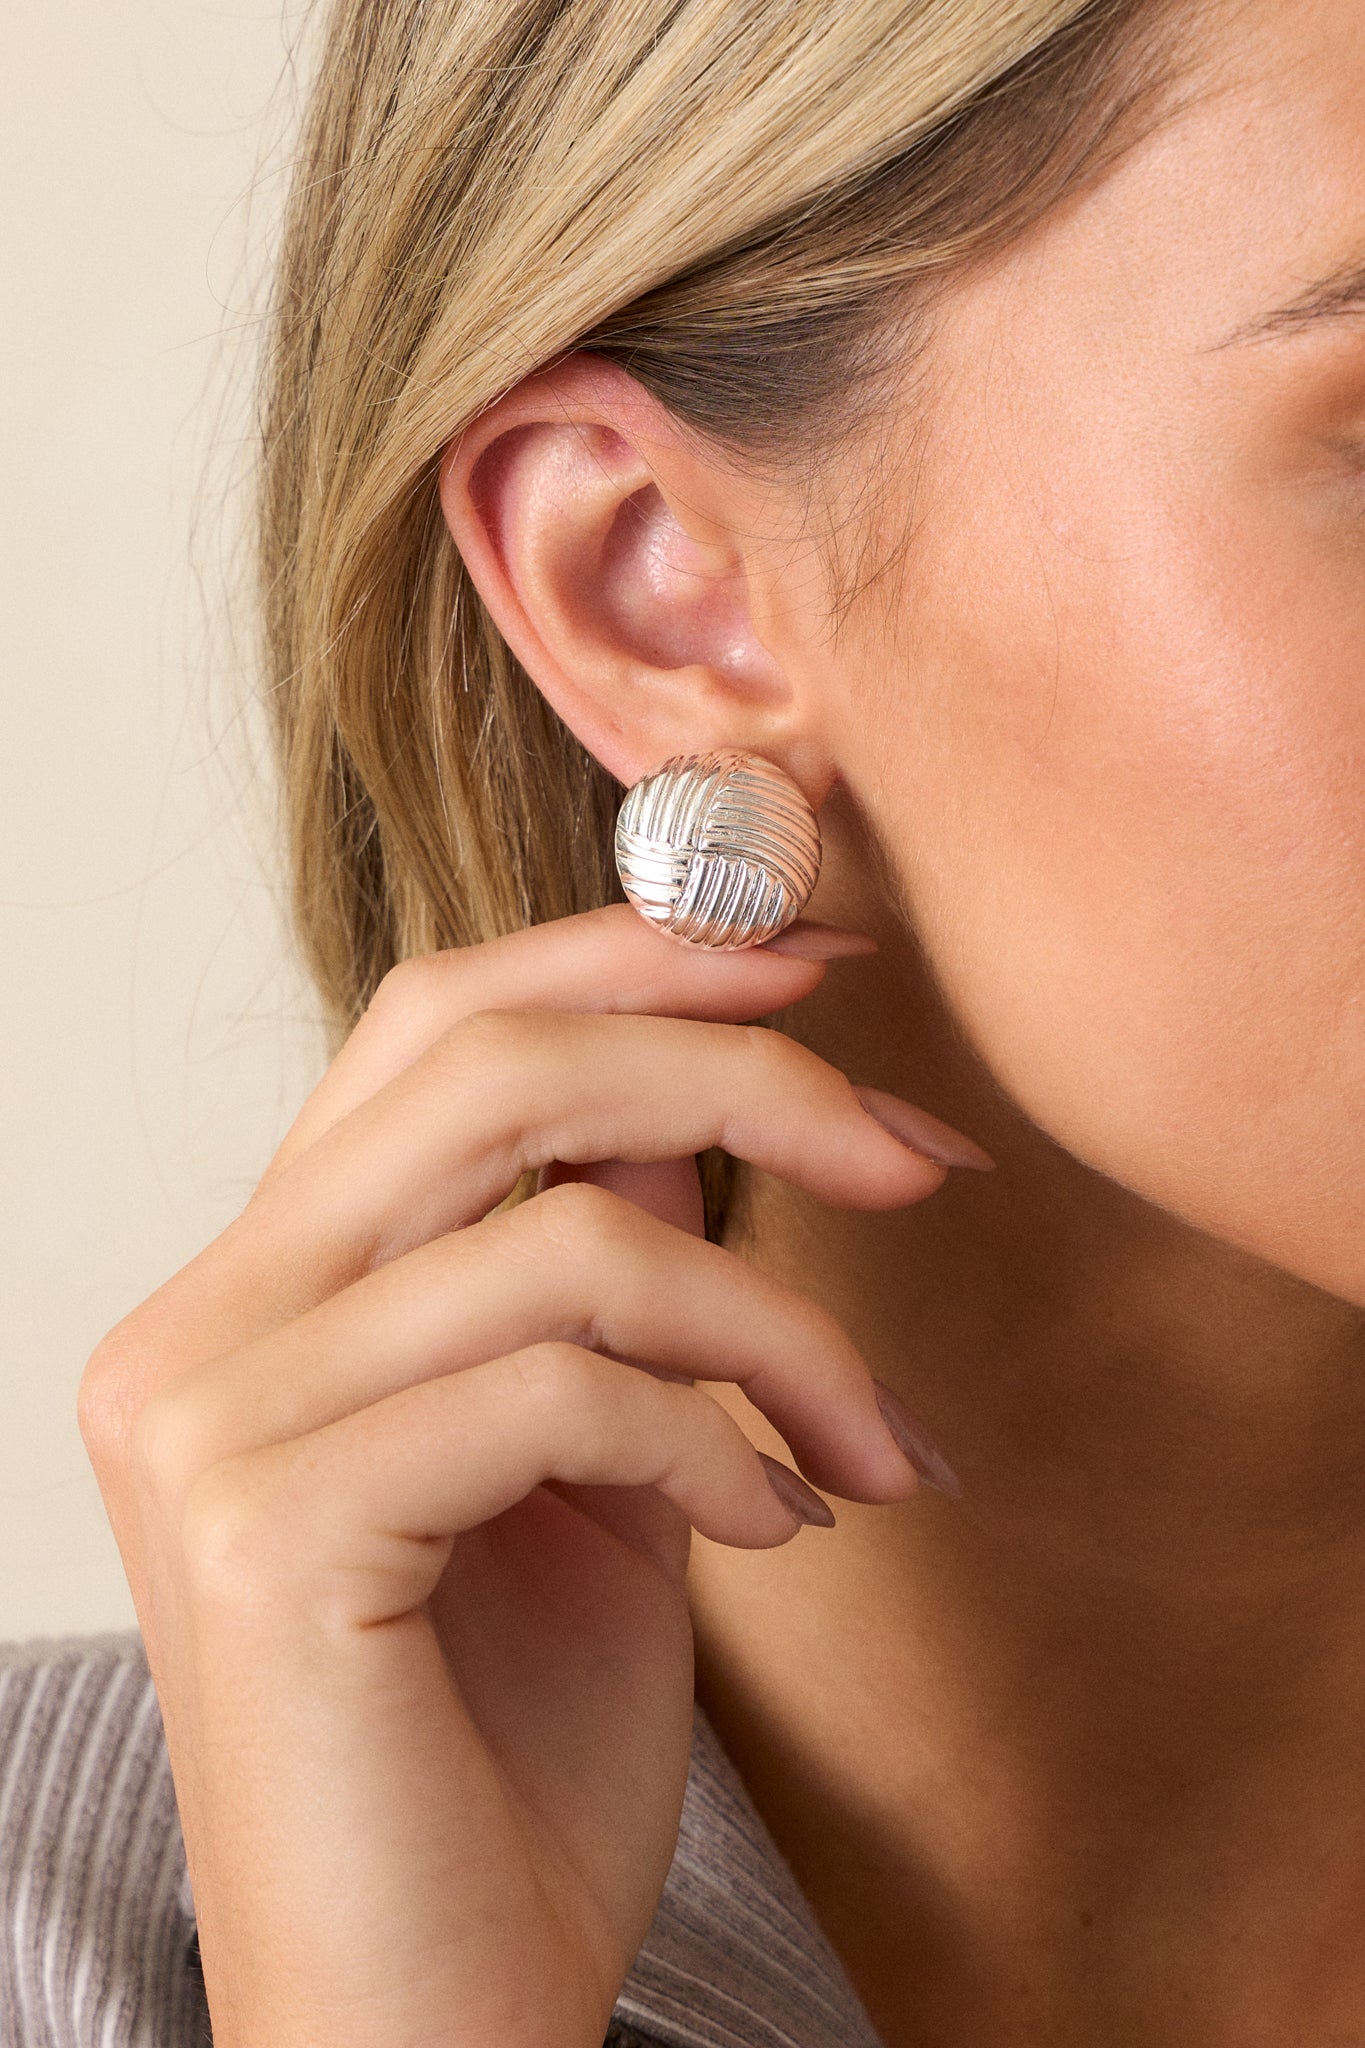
x,y
1074,1757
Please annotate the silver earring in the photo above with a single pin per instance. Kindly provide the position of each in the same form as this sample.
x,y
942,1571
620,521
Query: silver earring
x,y
718,850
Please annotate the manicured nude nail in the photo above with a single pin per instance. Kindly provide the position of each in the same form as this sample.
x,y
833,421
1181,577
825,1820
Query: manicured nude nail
x,y
932,1467
922,1132
793,1492
812,941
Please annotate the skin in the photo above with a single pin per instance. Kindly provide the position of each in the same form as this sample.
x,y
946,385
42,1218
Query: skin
x,y
1072,1758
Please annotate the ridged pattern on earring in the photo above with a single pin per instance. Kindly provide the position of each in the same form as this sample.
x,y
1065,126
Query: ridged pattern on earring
x,y
718,850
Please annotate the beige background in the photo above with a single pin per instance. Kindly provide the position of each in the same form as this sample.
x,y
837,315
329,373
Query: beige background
x,y
155,1038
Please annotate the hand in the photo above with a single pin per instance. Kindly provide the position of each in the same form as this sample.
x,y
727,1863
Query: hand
x,y
404,1489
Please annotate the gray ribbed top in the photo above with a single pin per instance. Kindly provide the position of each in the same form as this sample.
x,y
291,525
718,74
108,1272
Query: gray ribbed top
x,y
97,1945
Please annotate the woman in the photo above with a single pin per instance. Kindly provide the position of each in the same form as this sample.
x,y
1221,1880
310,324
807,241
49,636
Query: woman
x,y
962,409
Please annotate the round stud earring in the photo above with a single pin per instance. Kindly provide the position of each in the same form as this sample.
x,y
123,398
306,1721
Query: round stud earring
x,y
718,850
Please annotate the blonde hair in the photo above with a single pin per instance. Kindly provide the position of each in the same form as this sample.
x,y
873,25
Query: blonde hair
x,y
726,196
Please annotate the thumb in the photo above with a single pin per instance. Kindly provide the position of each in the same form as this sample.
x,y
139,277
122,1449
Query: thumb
x,y
668,1188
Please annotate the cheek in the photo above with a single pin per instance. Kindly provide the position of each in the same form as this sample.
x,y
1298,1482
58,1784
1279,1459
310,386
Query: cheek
x,y
1120,778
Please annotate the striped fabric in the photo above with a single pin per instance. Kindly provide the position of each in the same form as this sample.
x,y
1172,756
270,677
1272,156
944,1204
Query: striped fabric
x,y
735,1958
97,1939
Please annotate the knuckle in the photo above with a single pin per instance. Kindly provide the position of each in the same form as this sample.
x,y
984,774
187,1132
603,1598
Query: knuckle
x,y
768,1050
783,1062
101,1407
825,1333
557,1375
230,1533
112,1390
495,1033
490,1048
585,1218
500,1055
411,1005
407,990
164,1449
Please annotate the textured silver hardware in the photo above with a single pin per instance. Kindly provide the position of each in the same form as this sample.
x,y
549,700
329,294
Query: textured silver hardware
x,y
718,850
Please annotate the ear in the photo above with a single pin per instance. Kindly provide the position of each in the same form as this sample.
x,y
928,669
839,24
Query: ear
x,y
640,580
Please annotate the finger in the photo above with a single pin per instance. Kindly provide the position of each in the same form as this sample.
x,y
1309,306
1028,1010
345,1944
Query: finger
x,y
668,1188
577,1265
356,1520
606,960
440,1146
508,1091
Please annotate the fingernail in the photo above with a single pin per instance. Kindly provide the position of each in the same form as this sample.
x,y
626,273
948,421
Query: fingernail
x,y
812,941
932,1467
922,1132
791,1489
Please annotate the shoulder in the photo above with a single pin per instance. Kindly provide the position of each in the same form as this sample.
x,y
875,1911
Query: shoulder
x,y
97,1925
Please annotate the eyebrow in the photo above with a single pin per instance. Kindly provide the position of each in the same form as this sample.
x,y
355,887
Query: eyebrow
x,y
1328,299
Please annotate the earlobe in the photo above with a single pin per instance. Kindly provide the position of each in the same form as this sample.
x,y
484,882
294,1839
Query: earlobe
x,y
597,536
